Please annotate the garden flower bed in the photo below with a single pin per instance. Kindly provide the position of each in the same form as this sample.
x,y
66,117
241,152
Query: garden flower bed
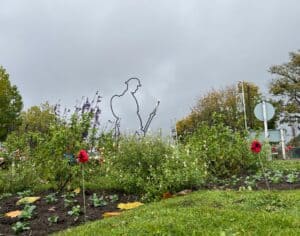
x,y
57,212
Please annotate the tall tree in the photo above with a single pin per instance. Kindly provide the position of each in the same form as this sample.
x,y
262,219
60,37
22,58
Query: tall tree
x,y
10,105
226,102
37,119
286,85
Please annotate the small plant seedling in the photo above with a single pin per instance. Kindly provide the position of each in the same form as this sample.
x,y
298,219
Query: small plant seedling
x,y
27,212
69,199
113,198
75,212
251,182
53,219
69,202
258,176
277,177
98,202
292,178
69,195
51,198
5,195
234,180
25,193
19,227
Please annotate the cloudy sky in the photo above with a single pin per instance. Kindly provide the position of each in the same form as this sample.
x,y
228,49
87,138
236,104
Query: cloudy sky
x,y
64,49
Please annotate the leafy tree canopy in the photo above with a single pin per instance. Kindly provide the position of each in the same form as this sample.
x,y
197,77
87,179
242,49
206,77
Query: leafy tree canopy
x,y
227,103
37,119
10,105
286,85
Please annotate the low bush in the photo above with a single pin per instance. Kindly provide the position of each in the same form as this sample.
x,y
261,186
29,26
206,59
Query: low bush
x,y
150,167
224,152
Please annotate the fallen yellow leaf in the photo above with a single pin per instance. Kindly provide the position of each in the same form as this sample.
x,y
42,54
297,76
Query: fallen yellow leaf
x,y
27,200
111,214
77,190
129,205
13,214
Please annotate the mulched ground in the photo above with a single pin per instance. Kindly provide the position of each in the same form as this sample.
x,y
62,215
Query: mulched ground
x,y
39,224
280,186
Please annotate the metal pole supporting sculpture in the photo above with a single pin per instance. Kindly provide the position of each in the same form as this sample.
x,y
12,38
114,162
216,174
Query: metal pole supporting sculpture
x,y
143,128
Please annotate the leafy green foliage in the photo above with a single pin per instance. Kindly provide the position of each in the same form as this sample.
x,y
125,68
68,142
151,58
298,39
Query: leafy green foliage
x,y
98,201
10,105
27,212
224,152
292,177
69,202
113,198
286,86
45,147
277,177
53,219
25,193
75,212
5,195
250,181
38,119
150,167
19,227
225,102
51,198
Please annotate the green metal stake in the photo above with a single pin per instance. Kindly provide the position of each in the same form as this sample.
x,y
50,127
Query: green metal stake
x,y
264,173
83,192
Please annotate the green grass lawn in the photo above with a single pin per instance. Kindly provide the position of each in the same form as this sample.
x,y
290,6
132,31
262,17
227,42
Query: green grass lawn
x,y
207,213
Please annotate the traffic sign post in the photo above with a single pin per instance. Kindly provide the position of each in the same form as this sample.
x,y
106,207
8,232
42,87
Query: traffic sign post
x,y
264,108
264,111
282,144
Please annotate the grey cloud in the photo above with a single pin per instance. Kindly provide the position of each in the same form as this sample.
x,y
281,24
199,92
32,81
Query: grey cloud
x,y
179,49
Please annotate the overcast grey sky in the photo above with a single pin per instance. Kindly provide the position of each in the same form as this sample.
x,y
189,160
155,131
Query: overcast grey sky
x,y
59,49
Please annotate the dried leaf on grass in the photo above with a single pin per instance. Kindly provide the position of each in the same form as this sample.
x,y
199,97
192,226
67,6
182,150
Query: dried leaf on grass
x,y
13,214
27,200
129,205
111,214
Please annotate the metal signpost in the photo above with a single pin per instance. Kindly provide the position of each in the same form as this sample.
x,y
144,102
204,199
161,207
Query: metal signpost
x,y
282,144
264,111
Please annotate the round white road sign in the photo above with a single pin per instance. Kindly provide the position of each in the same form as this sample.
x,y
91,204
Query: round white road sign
x,y
259,112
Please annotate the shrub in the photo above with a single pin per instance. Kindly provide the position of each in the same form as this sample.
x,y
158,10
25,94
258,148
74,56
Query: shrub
x,y
224,151
22,176
150,167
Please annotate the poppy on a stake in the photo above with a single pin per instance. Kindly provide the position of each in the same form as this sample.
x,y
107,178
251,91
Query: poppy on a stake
x,y
256,146
83,156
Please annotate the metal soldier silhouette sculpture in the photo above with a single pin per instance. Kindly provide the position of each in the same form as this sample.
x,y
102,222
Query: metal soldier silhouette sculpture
x,y
143,128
